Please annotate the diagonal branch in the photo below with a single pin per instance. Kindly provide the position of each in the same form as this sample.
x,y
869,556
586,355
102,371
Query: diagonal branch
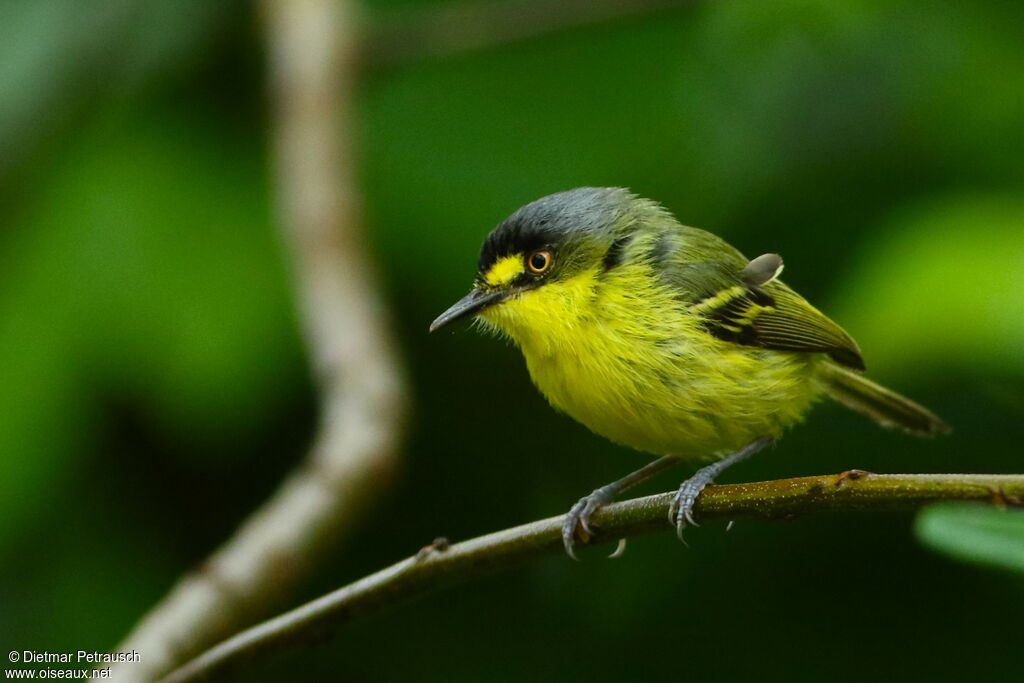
x,y
312,46
439,566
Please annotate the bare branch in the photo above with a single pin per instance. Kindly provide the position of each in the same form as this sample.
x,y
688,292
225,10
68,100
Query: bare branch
x,y
312,47
458,27
437,567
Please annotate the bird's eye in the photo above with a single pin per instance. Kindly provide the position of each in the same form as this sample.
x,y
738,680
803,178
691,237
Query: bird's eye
x,y
539,261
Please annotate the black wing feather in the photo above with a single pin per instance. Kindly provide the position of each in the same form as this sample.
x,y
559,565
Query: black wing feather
x,y
776,317
743,302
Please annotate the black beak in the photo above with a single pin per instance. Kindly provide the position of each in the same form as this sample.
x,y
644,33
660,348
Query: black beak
x,y
471,304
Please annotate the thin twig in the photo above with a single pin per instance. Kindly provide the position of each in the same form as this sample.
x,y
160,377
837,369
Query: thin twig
x,y
457,27
312,46
433,568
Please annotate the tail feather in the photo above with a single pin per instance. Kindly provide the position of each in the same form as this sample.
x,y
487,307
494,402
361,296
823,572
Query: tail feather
x,y
885,407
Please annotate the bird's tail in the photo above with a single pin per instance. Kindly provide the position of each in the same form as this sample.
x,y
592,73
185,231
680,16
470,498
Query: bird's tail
x,y
885,407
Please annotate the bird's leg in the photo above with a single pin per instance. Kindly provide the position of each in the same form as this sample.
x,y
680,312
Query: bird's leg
x,y
680,512
580,514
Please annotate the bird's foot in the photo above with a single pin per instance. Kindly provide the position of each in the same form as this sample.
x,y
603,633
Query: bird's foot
x,y
577,521
680,512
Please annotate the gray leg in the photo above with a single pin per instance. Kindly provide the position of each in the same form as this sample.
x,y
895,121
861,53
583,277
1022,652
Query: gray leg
x,y
680,513
580,514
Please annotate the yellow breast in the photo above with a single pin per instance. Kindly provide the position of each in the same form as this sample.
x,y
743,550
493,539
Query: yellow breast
x,y
622,355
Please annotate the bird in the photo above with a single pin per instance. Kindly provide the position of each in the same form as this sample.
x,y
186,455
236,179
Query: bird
x,y
663,338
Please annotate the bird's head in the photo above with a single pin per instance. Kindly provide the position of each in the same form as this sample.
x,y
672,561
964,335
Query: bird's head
x,y
540,264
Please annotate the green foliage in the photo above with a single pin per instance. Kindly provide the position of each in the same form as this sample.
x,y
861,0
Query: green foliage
x,y
943,280
981,535
60,59
144,271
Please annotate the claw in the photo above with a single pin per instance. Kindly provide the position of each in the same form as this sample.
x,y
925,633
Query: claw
x,y
572,520
578,519
681,509
569,542
680,527
620,550
588,511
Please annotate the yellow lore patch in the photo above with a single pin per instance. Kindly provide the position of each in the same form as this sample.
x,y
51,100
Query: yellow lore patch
x,y
504,270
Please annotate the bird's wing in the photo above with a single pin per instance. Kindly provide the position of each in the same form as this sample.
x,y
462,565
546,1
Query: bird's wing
x,y
775,317
743,302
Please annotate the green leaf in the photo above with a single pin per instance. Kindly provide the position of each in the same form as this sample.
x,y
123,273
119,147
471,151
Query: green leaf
x,y
982,535
939,286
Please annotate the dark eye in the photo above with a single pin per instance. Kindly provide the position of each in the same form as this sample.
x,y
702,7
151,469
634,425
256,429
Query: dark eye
x,y
539,261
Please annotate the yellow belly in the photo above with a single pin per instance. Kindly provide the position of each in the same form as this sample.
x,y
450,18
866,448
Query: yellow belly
x,y
635,367
689,405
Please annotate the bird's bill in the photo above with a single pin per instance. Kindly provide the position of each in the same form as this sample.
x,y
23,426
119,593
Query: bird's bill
x,y
471,304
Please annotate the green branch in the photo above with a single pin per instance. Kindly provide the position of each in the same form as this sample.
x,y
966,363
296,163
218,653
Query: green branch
x,y
439,566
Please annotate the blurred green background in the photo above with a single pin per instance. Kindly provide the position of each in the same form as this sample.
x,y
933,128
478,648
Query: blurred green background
x,y
154,385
